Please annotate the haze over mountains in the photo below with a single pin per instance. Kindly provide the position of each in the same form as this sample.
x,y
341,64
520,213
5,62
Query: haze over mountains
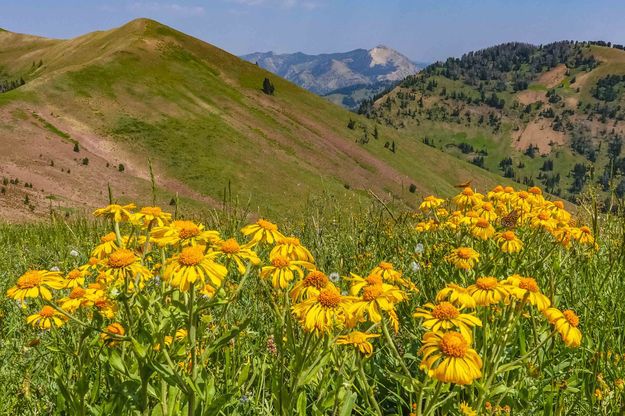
x,y
95,108
349,76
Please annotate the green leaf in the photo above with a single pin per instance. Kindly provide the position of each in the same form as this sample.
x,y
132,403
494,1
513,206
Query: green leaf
x,y
522,341
139,349
301,404
404,380
348,405
116,362
243,374
307,375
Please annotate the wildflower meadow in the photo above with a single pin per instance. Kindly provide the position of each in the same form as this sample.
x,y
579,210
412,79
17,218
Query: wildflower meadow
x,y
493,303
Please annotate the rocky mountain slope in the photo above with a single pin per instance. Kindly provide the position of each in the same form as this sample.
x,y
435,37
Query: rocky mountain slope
x,y
325,73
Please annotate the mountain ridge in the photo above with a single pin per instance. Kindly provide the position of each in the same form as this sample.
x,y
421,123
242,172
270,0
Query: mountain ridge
x,y
146,91
326,72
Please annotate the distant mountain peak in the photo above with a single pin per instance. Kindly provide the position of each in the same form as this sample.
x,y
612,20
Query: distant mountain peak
x,y
330,71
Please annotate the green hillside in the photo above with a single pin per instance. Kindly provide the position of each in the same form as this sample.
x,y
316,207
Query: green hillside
x,y
551,115
145,90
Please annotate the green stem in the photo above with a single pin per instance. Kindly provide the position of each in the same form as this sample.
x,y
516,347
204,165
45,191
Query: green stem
x,y
432,400
504,367
394,350
370,392
405,369
191,331
499,348
118,234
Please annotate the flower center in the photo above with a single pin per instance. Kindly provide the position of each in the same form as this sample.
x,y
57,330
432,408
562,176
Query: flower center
x,y
584,229
445,311
487,206
191,256
187,229
77,293
47,311
481,223
385,265
329,298
523,195
116,329
453,345
316,279
467,192
559,204
280,262
571,317
29,279
374,279
543,216
486,283
464,253
73,275
264,224
108,238
535,190
508,189
230,246
372,292
508,236
358,337
528,284
121,258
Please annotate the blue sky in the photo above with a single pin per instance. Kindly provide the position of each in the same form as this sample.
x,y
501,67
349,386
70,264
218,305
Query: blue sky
x,y
424,30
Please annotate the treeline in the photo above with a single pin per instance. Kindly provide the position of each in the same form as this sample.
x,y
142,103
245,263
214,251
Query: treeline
x,y
6,85
513,64
609,88
605,44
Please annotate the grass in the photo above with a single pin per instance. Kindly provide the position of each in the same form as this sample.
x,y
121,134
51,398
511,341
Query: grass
x,y
52,128
244,375
196,110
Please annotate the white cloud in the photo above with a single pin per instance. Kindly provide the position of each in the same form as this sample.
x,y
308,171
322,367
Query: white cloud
x,y
170,8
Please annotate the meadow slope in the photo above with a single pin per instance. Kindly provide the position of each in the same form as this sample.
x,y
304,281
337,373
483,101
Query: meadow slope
x,y
94,109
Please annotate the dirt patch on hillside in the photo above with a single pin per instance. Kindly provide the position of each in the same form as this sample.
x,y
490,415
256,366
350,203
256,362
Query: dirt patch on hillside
x,y
538,133
553,77
51,175
581,80
549,79
529,97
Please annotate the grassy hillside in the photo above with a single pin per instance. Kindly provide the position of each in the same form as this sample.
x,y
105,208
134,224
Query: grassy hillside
x,y
550,115
145,90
